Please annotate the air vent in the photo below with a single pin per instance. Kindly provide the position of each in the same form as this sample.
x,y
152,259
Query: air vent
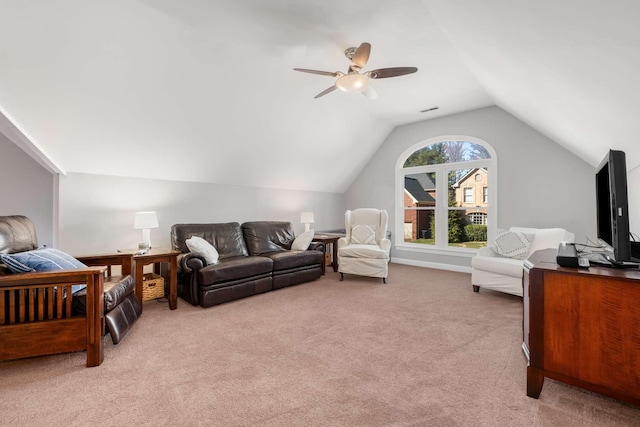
x,y
429,109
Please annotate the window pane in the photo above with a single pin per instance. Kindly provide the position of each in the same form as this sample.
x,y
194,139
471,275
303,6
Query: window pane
x,y
419,226
419,204
469,188
447,152
468,195
467,220
467,227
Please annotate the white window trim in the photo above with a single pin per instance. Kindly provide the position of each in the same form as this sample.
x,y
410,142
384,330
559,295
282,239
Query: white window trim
x,y
441,188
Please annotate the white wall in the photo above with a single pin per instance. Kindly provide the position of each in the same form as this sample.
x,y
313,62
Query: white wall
x,y
97,211
540,184
27,189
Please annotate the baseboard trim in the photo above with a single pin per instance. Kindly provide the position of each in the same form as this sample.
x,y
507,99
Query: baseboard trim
x,y
436,265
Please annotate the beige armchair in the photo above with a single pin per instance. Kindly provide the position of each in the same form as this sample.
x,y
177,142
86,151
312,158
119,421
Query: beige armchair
x,y
490,270
364,250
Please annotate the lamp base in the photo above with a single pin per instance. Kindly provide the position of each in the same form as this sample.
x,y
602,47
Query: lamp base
x,y
146,239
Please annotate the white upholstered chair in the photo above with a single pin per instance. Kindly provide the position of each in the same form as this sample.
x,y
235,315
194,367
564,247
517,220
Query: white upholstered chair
x,y
490,270
364,250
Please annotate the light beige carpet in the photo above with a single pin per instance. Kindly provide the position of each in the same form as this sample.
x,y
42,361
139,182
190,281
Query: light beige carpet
x,y
423,350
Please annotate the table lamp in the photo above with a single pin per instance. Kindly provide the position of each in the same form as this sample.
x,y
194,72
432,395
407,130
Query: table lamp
x,y
306,218
145,221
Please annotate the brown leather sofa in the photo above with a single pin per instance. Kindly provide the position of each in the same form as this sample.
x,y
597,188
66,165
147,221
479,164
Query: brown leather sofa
x,y
253,258
40,315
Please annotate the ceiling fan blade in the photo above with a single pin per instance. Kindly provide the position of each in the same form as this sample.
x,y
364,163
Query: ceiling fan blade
x,y
326,91
361,57
383,73
322,73
369,92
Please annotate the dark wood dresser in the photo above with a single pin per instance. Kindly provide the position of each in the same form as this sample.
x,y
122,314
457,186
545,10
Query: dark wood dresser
x,y
582,327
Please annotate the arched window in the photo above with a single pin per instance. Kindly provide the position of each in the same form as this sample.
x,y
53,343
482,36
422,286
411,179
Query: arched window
x,y
445,194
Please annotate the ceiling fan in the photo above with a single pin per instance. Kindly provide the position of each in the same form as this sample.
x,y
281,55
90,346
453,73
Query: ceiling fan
x,y
354,80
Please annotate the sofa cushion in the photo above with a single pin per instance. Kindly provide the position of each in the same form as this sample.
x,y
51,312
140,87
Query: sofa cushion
x,y
302,242
263,237
200,246
362,251
507,266
294,259
225,237
512,244
233,269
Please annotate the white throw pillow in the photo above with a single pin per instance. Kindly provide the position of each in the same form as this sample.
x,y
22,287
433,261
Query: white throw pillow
x,y
302,242
512,244
363,235
199,245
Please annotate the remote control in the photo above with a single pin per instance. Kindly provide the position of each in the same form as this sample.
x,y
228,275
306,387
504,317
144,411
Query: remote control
x,y
583,262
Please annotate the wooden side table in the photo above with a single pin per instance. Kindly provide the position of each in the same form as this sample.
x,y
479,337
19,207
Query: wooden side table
x,y
326,238
154,256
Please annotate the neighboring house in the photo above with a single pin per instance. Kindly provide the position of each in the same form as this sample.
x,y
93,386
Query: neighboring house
x,y
417,222
471,191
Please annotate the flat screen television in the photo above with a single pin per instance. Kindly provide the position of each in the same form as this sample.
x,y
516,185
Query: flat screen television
x,y
612,214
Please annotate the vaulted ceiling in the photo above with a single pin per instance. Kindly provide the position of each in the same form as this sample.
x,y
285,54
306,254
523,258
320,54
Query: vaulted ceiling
x,y
204,90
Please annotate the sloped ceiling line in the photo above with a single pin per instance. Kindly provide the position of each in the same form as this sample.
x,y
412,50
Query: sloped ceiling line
x,y
19,137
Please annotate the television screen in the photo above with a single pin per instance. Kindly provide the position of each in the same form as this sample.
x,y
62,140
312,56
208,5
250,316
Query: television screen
x,y
612,210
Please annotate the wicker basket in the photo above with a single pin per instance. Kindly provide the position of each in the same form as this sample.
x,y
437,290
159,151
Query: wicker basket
x,y
152,287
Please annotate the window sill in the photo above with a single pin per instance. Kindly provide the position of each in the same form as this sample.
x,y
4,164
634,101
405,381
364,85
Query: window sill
x,y
459,252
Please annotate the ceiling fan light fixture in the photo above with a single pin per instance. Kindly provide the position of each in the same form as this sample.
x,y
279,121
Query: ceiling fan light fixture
x,y
352,82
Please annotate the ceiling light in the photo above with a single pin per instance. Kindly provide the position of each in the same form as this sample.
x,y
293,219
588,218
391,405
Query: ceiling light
x,y
352,82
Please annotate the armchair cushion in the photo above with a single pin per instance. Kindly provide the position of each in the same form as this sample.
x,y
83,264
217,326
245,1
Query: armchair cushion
x,y
364,251
513,244
47,259
362,234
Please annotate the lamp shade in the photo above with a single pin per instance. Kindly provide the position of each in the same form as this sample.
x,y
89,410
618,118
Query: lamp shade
x,y
144,220
352,82
306,217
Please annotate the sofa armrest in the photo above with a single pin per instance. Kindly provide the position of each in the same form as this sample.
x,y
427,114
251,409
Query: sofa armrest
x,y
342,242
316,246
487,251
191,262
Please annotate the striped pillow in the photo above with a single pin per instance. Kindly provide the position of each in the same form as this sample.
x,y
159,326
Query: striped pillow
x,y
42,260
